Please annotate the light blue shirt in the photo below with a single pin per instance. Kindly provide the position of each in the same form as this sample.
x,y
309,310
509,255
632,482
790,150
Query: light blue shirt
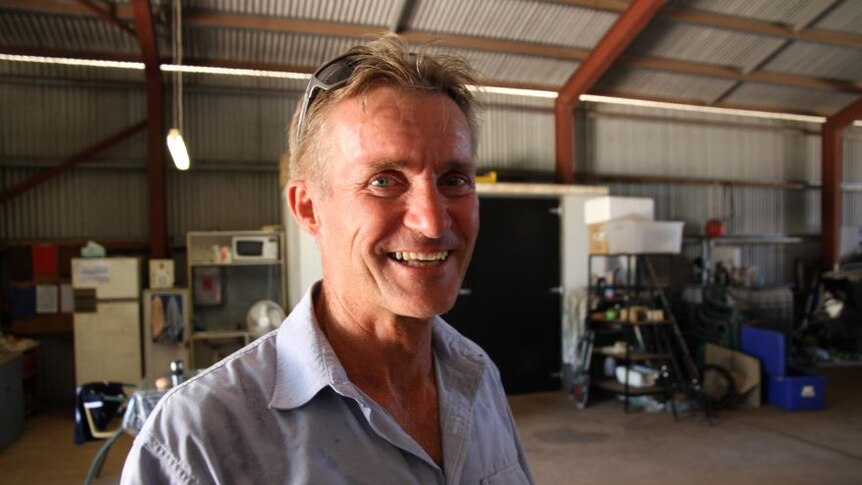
x,y
282,410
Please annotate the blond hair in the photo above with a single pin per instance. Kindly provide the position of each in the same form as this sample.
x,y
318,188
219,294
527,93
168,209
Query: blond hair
x,y
386,61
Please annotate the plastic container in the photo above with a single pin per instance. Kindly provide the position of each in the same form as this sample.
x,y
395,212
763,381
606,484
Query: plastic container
x,y
638,375
799,390
607,208
643,237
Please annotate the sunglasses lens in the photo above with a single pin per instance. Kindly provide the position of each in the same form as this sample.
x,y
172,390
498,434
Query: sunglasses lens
x,y
335,73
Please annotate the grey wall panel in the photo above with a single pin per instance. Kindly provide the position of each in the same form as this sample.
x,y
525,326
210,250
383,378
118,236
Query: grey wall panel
x,y
237,128
746,210
516,138
211,200
47,121
853,155
851,215
641,145
85,203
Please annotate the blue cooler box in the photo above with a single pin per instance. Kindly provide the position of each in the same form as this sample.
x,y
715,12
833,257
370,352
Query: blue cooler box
x,y
799,390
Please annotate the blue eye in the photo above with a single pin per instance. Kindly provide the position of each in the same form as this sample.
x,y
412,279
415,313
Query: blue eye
x,y
381,182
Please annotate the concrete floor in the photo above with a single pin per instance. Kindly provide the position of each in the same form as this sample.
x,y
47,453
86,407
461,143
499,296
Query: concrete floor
x,y
600,444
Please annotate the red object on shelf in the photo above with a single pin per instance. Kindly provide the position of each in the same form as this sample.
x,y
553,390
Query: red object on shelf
x,y
44,259
715,228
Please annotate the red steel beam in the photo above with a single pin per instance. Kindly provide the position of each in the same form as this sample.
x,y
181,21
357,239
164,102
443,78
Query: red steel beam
x,y
832,166
627,26
155,134
70,163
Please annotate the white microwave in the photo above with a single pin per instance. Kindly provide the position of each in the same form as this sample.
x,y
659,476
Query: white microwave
x,y
250,248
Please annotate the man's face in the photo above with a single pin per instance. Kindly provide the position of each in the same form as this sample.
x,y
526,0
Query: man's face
x,y
399,217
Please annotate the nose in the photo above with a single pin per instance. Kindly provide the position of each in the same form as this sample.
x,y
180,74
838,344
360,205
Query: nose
x,y
427,211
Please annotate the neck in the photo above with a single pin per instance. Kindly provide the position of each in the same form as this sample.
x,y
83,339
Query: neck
x,y
390,359
387,354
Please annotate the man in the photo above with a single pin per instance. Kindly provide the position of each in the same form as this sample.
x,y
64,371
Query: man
x,y
363,382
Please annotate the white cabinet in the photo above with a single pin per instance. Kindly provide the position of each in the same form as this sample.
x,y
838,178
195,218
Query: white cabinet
x,y
228,271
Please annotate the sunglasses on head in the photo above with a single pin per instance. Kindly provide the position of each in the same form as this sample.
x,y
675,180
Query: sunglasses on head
x,y
333,75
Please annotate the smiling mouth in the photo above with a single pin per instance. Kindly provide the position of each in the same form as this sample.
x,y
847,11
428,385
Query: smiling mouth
x,y
419,260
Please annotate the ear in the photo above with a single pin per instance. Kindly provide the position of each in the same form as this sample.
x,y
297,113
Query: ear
x,y
301,202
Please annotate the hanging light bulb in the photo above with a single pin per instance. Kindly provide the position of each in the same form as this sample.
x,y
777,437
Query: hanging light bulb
x,y
177,147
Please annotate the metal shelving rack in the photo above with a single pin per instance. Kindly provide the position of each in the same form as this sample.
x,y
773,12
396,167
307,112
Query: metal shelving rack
x,y
651,337
219,328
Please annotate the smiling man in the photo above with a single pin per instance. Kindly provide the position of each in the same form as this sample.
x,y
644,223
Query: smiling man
x,y
364,382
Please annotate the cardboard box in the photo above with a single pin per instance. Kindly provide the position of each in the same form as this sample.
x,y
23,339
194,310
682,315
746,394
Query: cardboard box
x,y
638,236
603,209
598,239
745,370
799,390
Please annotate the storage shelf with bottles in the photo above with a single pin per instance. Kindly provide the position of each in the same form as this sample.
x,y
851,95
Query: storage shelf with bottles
x,y
626,306
228,271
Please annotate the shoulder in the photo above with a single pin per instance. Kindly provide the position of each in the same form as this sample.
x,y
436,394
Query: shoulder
x,y
238,381
192,422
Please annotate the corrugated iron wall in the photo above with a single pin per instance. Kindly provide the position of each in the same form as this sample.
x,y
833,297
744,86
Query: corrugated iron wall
x,y
634,140
107,204
516,133
235,139
214,200
236,133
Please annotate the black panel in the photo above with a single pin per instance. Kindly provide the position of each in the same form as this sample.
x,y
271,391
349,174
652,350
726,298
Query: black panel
x,y
510,310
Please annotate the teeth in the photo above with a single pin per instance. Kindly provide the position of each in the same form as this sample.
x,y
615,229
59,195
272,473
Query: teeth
x,y
408,257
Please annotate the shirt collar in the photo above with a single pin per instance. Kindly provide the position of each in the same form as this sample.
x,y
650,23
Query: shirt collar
x,y
305,362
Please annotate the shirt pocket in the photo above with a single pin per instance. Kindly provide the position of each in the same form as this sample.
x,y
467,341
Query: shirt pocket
x,y
512,475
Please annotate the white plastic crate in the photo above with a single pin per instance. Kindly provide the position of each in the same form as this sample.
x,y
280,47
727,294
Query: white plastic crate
x,y
640,237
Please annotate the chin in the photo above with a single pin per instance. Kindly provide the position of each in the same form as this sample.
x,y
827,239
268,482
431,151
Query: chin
x,y
423,308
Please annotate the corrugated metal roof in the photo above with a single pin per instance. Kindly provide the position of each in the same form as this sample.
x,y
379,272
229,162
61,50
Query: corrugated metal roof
x,y
263,46
665,85
846,17
798,99
704,45
497,66
64,32
540,22
793,13
819,60
378,13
